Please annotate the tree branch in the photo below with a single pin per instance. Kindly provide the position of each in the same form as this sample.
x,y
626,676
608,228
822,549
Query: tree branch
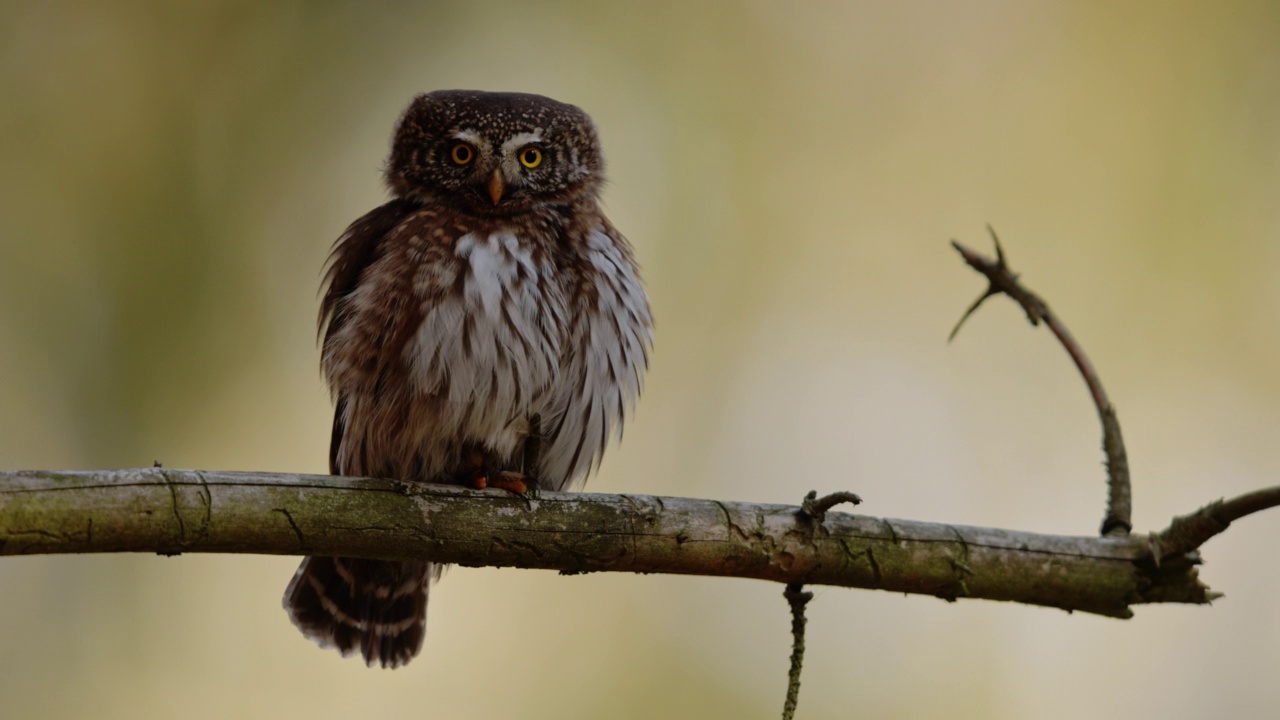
x,y
1002,280
170,512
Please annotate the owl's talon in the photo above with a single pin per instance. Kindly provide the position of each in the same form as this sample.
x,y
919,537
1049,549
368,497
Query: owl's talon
x,y
511,482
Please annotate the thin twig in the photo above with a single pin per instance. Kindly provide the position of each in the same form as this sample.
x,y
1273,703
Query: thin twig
x,y
797,597
817,508
1002,280
1188,532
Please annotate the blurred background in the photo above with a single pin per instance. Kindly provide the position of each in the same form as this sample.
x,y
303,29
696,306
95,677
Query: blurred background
x,y
174,173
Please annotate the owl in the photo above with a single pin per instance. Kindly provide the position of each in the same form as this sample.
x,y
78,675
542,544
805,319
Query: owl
x,y
489,308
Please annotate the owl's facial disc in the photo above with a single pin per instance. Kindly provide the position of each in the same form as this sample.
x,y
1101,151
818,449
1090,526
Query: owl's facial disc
x,y
494,154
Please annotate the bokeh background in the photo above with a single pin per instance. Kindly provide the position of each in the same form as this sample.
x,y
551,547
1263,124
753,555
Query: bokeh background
x,y
173,175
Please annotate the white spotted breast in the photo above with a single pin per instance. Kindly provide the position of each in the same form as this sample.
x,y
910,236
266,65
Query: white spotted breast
x,y
489,345
606,353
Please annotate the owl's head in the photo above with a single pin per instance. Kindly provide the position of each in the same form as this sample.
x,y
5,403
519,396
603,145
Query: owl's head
x,y
494,153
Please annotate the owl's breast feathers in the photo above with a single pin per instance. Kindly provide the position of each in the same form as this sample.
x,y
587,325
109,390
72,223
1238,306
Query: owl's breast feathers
x,y
443,331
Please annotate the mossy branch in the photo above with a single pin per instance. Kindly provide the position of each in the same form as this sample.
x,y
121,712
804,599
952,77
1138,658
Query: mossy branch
x,y
170,512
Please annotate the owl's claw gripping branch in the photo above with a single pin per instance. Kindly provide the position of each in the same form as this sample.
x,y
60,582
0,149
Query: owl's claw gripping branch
x,y
511,482
1003,281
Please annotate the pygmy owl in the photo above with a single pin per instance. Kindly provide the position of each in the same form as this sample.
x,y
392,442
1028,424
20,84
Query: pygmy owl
x,y
490,307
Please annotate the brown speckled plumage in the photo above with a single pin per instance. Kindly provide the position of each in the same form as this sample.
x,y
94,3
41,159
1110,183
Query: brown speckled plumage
x,y
487,293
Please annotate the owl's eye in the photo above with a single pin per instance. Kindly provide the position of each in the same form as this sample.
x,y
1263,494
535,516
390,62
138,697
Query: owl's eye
x,y
531,157
462,154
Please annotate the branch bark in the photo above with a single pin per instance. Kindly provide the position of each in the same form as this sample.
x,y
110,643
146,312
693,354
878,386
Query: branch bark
x,y
170,512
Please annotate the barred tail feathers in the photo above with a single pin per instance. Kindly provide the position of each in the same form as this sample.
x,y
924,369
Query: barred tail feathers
x,y
376,607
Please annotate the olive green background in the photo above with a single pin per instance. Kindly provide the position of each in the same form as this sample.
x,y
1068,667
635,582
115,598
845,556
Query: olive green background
x,y
172,176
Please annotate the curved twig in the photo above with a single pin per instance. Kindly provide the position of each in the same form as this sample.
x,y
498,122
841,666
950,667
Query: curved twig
x,y
816,507
1188,532
1002,280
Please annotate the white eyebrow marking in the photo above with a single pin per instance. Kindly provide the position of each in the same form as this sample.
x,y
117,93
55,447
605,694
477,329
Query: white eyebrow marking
x,y
518,141
468,136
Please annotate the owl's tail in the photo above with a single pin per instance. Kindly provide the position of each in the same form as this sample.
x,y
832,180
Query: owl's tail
x,y
375,606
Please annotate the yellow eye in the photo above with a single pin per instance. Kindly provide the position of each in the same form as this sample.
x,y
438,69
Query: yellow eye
x,y
462,154
531,157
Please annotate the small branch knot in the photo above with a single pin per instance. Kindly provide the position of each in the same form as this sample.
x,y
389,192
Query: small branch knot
x,y
816,508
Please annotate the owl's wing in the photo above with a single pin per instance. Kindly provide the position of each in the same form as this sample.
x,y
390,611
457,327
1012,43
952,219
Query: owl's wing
x,y
360,246
604,359
376,608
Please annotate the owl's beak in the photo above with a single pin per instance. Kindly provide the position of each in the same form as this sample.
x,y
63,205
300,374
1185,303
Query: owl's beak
x,y
497,184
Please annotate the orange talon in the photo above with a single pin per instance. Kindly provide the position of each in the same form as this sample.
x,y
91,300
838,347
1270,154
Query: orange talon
x,y
511,482
481,482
